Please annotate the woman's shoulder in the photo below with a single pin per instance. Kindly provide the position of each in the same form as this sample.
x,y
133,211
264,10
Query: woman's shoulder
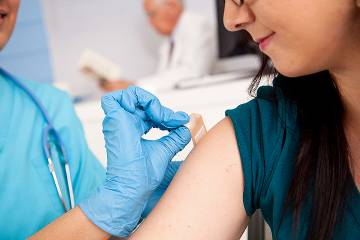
x,y
269,108
266,130
265,117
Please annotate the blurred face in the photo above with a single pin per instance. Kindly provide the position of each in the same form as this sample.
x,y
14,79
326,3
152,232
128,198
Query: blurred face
x,y
8,14
300,36
163,16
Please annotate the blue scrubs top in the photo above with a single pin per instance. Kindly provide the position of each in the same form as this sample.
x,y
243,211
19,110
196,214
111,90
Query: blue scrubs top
x,y
28,197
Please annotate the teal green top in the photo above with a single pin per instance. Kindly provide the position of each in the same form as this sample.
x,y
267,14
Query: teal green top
x,y
267,134
28,197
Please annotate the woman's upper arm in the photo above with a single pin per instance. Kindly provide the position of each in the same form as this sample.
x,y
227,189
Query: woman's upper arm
x,y
205,199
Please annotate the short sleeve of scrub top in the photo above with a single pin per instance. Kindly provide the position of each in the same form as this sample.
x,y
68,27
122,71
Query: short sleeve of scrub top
x,y
28,198
267,134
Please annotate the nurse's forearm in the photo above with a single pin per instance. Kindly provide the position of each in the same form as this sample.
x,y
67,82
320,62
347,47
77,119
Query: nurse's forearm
x,y
72,225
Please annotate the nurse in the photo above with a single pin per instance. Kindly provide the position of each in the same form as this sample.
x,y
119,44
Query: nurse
x,y
115,201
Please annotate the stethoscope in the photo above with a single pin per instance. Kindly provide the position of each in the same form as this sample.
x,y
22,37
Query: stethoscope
x,y
50,135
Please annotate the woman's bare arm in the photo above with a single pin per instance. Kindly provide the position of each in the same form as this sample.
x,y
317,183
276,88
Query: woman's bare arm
x,y
72,225
203,202
205,199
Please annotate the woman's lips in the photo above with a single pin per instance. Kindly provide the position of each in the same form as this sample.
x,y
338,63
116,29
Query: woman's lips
x,y
264,42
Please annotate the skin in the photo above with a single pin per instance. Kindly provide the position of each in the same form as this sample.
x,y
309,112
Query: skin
x,y
110,86
300,47
190,208
72,225
208,187
305,41
10,7
163,15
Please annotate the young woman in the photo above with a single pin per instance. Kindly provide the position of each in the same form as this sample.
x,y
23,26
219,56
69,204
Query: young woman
x,y
293,151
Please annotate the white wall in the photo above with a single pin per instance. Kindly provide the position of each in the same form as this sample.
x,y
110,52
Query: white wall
x,y
117,29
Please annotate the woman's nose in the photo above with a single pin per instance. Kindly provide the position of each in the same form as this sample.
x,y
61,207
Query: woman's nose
x,y
237,17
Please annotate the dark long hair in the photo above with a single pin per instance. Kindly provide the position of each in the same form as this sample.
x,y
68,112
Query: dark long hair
x,y
322,171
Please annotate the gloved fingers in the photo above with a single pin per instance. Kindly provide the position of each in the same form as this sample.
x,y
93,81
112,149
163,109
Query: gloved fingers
x,y
121,99
145,123
123,131
145,104
163,117
118,100
110,103
175,141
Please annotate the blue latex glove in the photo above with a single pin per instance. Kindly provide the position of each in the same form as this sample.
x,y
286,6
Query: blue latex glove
x,y
171,170
136,166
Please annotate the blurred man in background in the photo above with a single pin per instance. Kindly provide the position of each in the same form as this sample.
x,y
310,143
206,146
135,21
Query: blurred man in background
x,y
189,49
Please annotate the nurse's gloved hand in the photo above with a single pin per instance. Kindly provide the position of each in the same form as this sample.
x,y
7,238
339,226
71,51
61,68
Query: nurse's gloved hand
x,y
171,170
136,166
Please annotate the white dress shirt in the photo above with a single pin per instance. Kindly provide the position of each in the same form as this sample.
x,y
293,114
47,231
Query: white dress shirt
x,y
190,52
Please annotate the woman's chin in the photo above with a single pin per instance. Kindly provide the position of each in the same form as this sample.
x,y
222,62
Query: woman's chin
x,y
290,74
295,69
